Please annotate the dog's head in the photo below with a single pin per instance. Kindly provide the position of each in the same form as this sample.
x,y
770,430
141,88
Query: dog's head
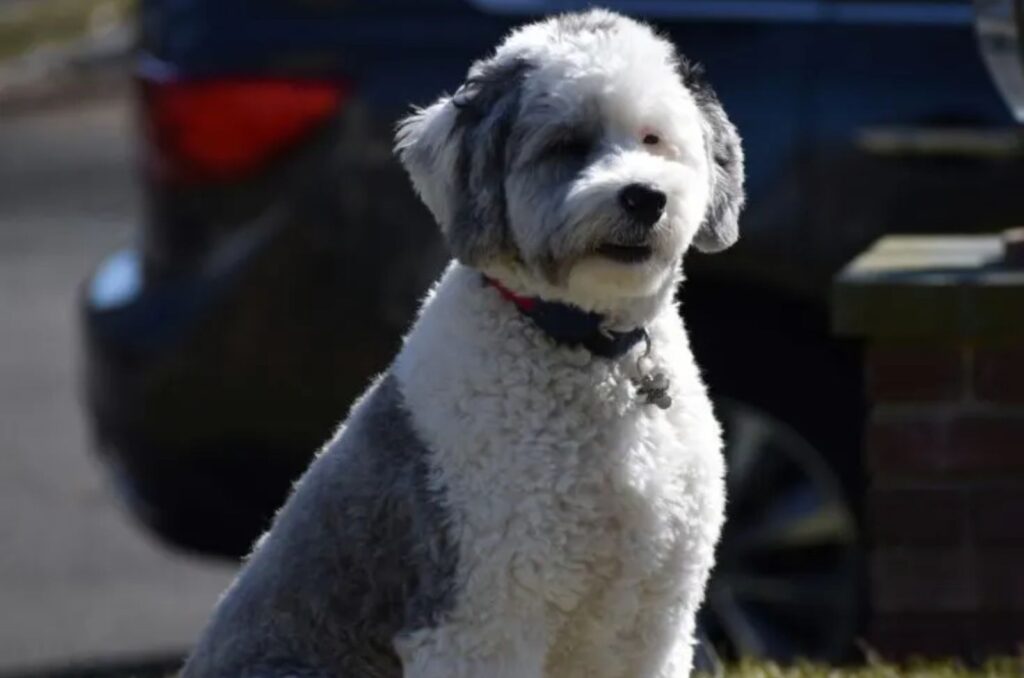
x,y
584,154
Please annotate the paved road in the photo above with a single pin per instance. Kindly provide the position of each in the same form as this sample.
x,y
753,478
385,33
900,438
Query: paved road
x,y
78,580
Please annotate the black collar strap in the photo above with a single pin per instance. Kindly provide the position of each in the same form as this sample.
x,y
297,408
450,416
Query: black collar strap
x,y
572,326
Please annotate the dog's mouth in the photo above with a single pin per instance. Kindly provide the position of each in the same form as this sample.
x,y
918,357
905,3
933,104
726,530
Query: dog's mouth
x,y
627,254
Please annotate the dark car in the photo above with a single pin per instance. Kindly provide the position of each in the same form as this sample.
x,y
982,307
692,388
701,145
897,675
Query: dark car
x,y
283,253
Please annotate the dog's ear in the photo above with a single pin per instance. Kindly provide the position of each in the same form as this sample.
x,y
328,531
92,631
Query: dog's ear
x,y
721,227
456,154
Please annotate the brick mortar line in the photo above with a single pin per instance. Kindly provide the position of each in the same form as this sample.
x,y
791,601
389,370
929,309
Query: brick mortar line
x,y
966,483
886,411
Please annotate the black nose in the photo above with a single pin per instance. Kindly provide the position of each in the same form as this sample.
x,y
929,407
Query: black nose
x,y
643,203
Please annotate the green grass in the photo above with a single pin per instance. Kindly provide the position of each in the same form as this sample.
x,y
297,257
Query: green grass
x,y
27,25
995,668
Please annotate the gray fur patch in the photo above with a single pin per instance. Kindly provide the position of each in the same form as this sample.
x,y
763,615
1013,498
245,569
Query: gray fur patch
x,y
488,104
360,554
721,226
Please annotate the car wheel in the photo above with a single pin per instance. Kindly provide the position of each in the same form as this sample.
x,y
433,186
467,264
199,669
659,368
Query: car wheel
x,y
787,583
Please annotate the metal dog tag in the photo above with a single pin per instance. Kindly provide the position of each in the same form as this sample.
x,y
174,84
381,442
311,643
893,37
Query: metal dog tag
x,y
654,388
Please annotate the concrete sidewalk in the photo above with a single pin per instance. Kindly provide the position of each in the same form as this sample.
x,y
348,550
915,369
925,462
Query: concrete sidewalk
x,y
78,580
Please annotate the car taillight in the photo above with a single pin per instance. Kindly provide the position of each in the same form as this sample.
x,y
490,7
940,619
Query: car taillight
x,y
220,129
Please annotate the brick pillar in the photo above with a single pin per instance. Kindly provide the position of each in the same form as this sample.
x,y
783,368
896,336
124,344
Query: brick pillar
x,y
942,319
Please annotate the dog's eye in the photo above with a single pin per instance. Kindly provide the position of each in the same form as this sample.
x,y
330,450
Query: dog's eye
x,y
651,139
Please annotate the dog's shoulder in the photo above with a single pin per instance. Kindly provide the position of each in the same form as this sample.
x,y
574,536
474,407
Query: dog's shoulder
x,y
359,554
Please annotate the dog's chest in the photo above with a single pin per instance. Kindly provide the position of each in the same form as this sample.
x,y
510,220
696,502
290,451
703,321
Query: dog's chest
x,y
571,493
598,509
649,534
607,511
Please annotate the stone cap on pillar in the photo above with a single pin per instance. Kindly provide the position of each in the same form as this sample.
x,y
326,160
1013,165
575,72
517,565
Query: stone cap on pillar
x,y
963,286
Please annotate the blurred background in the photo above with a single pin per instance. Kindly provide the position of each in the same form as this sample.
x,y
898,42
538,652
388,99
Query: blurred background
x,y
79,581
207,249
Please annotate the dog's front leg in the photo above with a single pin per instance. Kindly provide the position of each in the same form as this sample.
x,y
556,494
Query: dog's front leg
x,y
511,651
680,661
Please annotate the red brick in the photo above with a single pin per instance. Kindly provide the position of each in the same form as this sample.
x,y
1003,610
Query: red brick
x,y
900,637
999,634
999,374
973,637
997,515
913,580
988,442
1001,579
944,440
898,444
916,372
917,516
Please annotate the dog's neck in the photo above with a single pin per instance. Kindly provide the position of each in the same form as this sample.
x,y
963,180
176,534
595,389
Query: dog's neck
x,y
620,315
569,325
572,326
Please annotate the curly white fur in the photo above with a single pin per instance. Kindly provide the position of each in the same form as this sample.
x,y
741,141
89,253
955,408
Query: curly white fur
x,y
586,520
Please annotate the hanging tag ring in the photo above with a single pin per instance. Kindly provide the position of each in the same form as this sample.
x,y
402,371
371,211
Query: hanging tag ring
x,y
654,386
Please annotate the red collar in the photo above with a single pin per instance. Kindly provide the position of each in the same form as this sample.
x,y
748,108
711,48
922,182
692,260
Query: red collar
x,y
525,304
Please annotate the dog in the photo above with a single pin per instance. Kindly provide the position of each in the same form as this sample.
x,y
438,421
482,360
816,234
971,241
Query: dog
x,y
534,488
